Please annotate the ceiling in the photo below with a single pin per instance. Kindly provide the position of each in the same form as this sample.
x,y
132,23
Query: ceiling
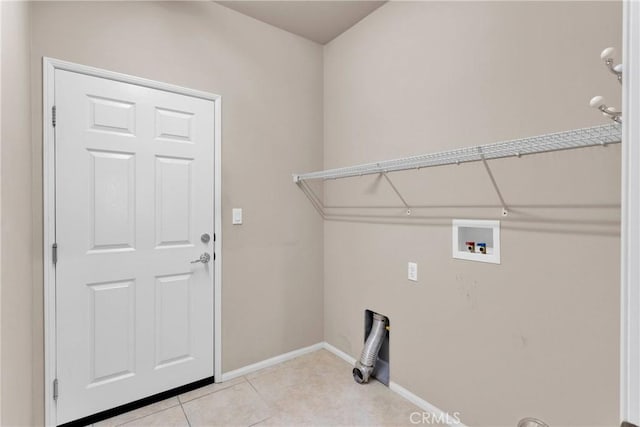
x,y
320,21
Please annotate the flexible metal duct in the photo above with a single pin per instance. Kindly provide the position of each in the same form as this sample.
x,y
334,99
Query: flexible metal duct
x,y
531,422
364,367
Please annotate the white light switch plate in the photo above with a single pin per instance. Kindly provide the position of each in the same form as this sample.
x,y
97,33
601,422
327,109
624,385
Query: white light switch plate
x,y
412,271
236,214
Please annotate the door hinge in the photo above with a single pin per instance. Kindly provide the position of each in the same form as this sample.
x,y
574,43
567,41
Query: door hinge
x,y
54,253
53,116
214,256
214,237
55,389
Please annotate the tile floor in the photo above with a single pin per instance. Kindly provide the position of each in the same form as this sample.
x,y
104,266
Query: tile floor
x,y
312,390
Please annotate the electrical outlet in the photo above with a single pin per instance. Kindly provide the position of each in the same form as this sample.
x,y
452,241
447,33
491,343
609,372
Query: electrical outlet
x,y
412,271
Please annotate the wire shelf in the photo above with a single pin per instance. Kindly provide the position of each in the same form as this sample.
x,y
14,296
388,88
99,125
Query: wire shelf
x,y
576,138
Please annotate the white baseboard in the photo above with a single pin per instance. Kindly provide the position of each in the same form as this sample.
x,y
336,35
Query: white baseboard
x,y
427,407
450,419
270,362
341,354
436,412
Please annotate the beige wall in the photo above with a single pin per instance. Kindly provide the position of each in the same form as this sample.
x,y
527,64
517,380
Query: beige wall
x,y
538,334
535,336
16,263
271,84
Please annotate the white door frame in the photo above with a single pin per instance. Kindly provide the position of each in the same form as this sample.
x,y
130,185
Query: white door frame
x,y
49,66
630,230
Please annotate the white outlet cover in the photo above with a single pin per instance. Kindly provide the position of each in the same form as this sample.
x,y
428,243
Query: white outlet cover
x,y
412,271
236,215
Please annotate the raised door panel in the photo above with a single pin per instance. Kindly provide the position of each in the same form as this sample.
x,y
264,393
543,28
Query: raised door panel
x,y
174,199
112,193
111,115
173,320
173,125
111,331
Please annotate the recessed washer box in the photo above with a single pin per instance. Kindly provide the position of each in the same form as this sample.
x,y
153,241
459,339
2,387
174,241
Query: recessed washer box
x,y
476,240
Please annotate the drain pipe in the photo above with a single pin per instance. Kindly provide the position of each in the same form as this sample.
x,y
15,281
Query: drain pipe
x,y
364,367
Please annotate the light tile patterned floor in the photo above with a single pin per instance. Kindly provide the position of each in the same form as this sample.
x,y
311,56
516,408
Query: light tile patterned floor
x,y
312,390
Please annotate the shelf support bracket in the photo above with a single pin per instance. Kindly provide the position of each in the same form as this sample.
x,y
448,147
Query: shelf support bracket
x,y
505,210
313,198
395,190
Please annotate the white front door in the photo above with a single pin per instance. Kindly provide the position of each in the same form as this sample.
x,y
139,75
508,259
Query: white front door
x,y
134,197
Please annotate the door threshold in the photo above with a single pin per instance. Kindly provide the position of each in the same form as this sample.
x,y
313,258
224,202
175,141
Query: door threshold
x,y
110,413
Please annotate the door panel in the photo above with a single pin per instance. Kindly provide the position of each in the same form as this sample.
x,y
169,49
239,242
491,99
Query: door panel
x,y
173,325
173,125
111,115
134,191
112,200
174,216
111,331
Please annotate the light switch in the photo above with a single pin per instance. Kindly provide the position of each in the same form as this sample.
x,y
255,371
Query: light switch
x,y
236,214
412,271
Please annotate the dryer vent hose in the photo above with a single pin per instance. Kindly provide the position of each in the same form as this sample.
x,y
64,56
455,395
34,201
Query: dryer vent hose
x,y
364,367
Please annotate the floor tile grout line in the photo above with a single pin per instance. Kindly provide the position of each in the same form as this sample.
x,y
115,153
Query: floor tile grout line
x,y
258,393
186,417
233,383
211,392
261,421
272,406
252,386
147,415
245,380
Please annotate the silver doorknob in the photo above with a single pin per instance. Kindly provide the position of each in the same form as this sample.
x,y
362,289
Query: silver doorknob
x,y
204,258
